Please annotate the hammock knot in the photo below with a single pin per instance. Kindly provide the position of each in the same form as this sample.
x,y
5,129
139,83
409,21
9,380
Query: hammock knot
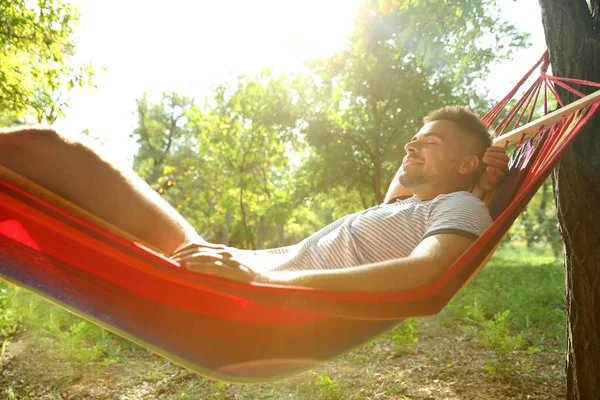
x,y
545,63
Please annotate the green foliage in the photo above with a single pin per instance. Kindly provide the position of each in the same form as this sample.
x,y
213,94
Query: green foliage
x,y
538,222
495,335
218,391
36,46
403,335
266,160
516,300
9,393
395,390
227,164
328,388
10,322
403,60
528,282
459,40
68,335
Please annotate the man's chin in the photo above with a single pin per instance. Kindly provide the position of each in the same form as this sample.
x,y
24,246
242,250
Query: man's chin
x,y
409,181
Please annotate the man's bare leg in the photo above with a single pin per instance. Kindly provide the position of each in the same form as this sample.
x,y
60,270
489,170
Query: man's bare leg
x,y
77,174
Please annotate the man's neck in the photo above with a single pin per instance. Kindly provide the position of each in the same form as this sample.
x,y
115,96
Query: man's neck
x,y
430,193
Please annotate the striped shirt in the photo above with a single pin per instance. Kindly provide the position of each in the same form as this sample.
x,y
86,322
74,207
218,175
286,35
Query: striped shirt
x,y
380,233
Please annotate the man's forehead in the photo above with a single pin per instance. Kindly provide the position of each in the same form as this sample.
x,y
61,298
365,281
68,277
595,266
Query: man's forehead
x,y
443,129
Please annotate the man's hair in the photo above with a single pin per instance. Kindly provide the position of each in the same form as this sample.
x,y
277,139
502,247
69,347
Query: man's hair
x,y
468,122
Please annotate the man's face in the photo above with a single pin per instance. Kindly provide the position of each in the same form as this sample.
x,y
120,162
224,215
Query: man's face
x,y
434,154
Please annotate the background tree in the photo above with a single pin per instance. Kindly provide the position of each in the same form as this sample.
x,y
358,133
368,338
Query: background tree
x,y
169,159
36,49
538,224
227,165
572,30
253,125
402,60
239,162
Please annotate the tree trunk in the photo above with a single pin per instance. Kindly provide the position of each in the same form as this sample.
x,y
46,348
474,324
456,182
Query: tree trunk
x,y
247,238
376,180
227,228
262,233
528,222
280,235
572,37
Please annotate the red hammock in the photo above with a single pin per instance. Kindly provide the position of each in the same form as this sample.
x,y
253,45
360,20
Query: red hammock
x,y
256,332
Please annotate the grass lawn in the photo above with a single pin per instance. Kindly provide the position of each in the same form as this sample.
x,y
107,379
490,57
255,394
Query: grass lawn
x,y
502,337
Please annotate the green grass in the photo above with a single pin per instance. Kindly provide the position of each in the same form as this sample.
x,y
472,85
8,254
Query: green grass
x,y
513,308
70,337
528,282
9,314
404,335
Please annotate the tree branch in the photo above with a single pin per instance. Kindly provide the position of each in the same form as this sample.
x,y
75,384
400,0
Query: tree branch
x,y
364,146
142,123
171,135
10,31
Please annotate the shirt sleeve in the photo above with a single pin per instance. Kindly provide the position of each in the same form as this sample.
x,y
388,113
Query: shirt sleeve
x,y
460,213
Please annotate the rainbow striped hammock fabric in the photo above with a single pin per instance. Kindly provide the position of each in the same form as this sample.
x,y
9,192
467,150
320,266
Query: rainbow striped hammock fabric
x,y
255,332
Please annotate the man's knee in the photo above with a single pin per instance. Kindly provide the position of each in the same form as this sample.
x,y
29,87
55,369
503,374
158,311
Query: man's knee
x,y
44,156
25,145
31,145
25,138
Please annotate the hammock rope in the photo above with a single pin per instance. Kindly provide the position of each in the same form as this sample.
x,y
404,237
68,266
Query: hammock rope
x,y
256,332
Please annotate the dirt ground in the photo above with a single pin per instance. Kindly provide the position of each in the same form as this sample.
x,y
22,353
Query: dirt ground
x,y
444,364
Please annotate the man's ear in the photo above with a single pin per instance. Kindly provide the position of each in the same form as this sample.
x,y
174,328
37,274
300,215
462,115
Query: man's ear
x,y
469,165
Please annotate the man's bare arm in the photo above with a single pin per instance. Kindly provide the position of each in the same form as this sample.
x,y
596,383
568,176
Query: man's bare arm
x,y
428,261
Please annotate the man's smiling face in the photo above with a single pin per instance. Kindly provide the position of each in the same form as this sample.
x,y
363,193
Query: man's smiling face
x,y
434,154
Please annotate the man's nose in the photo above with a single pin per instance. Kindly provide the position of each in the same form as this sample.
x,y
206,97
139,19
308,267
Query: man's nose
x,y
410,147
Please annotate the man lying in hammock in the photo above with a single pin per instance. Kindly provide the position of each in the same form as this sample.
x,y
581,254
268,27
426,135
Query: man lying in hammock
x,y
429,219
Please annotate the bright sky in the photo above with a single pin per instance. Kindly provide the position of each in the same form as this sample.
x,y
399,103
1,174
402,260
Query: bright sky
x,y
187,46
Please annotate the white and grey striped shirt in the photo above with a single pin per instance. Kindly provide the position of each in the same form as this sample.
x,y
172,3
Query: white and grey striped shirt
x,y
380,233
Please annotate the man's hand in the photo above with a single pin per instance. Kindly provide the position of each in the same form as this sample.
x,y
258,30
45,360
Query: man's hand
x,y
497,167
212,259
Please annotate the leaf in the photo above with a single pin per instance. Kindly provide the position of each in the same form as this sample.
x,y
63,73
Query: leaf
x,y
36,55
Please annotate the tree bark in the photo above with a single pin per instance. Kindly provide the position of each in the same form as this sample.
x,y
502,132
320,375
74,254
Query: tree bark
x,y
572,35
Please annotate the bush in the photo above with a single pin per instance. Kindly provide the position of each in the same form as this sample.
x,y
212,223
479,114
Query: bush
x,y
504,345
403,335
329,389
528,282
71,337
